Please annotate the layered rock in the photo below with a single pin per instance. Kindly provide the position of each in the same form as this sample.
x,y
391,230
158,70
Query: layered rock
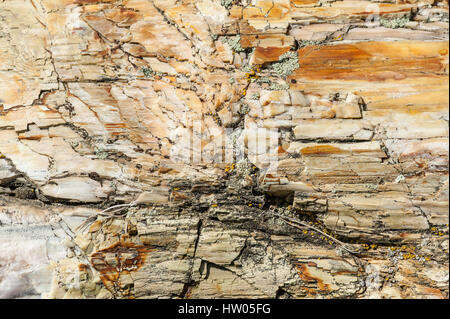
x,y
222,149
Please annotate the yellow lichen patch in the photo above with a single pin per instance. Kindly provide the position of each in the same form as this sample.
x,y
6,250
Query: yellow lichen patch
x,y
408,256
436,231
339,37
229,168
251,75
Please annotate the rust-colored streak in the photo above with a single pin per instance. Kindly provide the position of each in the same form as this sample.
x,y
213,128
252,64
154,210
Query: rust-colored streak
x,y
45,97
124,16
248,40
317,55
115,125
436,293
138,253
177,196
320,150
83,267
90,1
32,138
300,2
120,258
382,12
373,61
305,275
268,54
423,153
281,150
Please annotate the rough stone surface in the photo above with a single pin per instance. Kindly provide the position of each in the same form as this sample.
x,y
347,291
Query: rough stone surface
x,y
265,149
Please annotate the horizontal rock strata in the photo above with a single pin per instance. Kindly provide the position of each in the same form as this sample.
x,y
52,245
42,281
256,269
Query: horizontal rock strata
x,y
224,149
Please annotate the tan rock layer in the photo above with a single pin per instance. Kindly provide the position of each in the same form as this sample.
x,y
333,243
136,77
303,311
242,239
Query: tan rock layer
x,y
199,124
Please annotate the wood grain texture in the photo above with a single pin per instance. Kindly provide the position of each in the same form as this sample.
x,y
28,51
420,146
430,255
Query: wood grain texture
x,y
205,123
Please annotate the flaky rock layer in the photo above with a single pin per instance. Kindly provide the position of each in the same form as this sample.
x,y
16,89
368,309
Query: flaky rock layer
x,y
224,149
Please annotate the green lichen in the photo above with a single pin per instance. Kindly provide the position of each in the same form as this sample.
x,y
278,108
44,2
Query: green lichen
x,y
278,86
399,179
244,167
263,79
227,4
307,43
244,109
286,64
394,23
231,80
149,73
246,68
234,42
255,96
273,86
101,153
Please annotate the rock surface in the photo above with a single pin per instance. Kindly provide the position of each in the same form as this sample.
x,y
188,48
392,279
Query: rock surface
x,y
245,149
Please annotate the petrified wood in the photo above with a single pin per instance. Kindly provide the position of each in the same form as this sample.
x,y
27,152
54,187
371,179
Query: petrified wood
x,y
224,149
